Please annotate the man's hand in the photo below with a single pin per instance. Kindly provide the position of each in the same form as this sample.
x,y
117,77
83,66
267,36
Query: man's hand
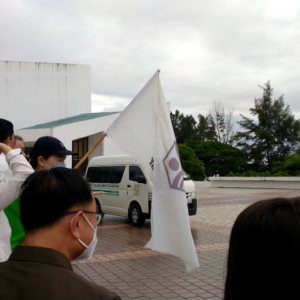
x,y
4,148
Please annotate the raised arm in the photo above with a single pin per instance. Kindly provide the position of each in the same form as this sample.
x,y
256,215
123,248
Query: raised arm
x,y
21,169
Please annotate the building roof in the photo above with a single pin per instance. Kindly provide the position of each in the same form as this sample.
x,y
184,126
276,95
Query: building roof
x,y
74,119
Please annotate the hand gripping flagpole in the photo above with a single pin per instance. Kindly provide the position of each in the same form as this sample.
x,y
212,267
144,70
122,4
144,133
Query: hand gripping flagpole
x,y
91,150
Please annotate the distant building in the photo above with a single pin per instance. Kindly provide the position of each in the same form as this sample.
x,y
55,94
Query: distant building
x,y
32,93
78,133
55,100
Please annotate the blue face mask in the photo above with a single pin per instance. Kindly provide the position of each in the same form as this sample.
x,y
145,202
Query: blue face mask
x,y
59,165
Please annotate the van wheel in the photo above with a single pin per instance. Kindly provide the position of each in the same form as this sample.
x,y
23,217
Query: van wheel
x,y
136,216
98,209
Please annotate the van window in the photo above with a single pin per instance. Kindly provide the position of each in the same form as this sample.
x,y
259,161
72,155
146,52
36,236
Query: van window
x,y
134,173
105,174
186,176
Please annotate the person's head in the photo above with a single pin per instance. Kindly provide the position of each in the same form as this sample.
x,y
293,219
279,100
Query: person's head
x,y
264,252
19,144
46,197
7,135
48,152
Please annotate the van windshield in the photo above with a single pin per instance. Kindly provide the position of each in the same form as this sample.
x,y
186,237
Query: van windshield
x,y
186,176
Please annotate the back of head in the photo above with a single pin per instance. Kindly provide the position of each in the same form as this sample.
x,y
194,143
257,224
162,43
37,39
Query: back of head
x,y
46,195
18,137
6,130
264,252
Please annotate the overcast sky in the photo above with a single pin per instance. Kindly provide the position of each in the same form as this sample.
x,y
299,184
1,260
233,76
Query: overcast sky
x,y
206,50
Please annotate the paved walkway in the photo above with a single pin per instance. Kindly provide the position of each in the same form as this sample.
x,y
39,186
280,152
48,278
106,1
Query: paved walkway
x,y
121,264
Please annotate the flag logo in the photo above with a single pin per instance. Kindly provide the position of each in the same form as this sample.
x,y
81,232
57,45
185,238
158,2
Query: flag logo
x,y
171,164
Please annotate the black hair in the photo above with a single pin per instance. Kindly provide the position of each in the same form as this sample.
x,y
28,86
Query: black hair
x,y
46,195
264,252
6,130
34,161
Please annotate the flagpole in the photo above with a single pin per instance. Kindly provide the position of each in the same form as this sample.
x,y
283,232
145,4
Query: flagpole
x,y
90,151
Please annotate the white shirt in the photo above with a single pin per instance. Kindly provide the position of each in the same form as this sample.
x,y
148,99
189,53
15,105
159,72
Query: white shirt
x,y
9,191
5,171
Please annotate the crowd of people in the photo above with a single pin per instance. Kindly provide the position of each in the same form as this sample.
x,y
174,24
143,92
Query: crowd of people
x,y
48,219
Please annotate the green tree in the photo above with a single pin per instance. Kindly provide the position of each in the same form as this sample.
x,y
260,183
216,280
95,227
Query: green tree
x,y
273,135
190,163
176,122
184,126
219,158
290,166
206,130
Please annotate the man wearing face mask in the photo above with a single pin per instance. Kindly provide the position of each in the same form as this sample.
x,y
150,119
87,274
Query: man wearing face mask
x,y
59,229
47,152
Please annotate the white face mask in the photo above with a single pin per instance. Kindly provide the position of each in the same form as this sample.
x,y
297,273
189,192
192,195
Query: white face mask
x,y
89,250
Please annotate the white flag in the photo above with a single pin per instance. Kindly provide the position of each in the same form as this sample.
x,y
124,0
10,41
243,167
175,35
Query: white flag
x,y
144,131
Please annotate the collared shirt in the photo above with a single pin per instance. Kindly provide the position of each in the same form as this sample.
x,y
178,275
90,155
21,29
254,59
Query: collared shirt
x,y
42,273
9,191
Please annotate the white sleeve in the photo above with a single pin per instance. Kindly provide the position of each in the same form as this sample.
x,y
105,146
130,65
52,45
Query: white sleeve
x,y
21,169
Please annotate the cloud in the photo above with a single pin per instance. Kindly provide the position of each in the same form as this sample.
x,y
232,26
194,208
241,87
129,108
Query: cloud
x,y
206,50
108,103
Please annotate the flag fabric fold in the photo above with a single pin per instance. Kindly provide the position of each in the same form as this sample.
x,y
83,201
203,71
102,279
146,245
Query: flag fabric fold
x,y
144,131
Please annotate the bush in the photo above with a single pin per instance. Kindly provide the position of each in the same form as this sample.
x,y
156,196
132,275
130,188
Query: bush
x,y
281,174
249,173
190,163
231,174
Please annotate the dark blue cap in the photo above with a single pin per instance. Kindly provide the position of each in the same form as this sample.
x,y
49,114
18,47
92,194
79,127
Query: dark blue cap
x,y
46,145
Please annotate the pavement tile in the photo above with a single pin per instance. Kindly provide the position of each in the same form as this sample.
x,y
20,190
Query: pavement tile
x,y
152,295
133,295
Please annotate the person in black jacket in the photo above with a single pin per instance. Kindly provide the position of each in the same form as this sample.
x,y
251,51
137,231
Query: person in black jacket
x,y
264,252
59,216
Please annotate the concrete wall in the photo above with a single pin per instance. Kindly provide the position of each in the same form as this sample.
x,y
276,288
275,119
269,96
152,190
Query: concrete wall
x,y
202,184
34,93
92,128
255,182
31,135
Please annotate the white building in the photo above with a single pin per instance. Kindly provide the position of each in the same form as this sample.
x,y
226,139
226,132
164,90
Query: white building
x,y
32,93
54,99
78,133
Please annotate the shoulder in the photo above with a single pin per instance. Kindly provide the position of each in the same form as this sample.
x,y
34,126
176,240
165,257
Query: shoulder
x,y
95,290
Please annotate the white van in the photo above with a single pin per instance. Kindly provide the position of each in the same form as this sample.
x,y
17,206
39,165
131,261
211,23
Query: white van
x,y
127,188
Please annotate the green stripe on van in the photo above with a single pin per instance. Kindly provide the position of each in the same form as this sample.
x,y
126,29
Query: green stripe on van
x,y
106,191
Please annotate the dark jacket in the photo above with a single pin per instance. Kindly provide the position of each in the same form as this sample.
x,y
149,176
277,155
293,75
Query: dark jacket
x,y
38,273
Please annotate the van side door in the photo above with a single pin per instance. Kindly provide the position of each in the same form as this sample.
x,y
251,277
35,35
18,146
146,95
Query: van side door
x,y
108,179
138,190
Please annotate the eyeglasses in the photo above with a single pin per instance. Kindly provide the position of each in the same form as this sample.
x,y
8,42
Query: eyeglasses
x,y
98,215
